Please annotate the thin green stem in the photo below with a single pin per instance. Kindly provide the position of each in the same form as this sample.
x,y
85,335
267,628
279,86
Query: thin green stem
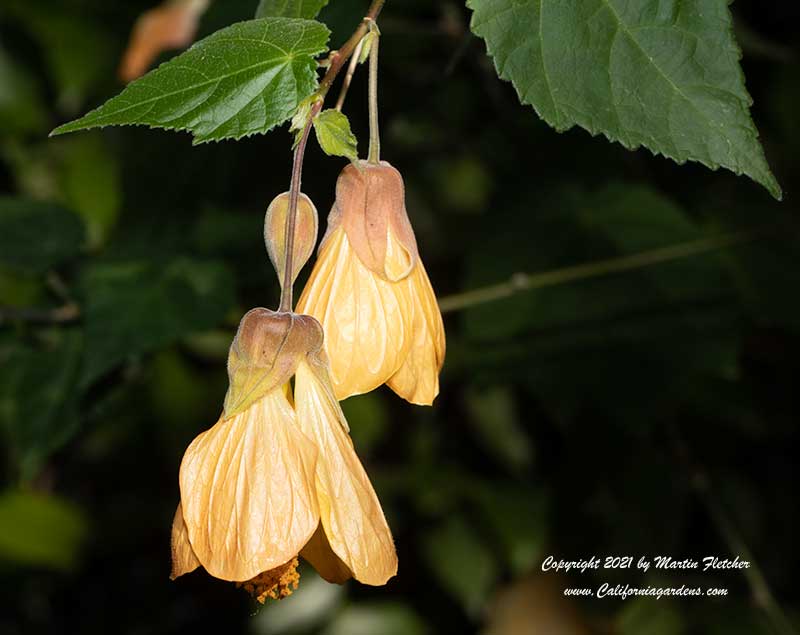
x,y
524,282
286,304
351,69
337,60
374,127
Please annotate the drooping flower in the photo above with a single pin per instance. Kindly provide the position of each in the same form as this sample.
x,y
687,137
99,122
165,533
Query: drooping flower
x,y
370,291
277,477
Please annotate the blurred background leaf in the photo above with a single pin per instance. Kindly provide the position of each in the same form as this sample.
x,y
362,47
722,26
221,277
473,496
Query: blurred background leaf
x,y
39,397
42,531
573,418
642,617
388,618
462,564
135,307
36,236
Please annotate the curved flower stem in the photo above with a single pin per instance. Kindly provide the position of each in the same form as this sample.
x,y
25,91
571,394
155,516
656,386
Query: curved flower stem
x,y
374,129
338,58
337,61
351,69
291,216
524,282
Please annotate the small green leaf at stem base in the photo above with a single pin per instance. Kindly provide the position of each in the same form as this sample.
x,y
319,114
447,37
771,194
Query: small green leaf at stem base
x,y
300,118
334,134
242,80
366,46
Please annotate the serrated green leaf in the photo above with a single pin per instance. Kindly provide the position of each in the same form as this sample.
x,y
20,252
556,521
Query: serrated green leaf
x,y
334,134
242,80
40,530
654,73
307,9
35,236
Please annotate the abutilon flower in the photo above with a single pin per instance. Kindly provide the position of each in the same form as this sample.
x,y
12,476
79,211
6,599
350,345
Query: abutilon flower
x,y
277,476
371,293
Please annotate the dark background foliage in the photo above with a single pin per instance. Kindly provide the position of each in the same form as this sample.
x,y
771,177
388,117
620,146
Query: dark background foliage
x,y
651,412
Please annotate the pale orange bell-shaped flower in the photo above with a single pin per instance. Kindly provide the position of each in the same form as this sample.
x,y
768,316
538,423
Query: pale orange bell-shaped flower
x,y
371,292
359,543
256,489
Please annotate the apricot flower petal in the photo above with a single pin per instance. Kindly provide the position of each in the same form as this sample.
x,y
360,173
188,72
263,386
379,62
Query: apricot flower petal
x,y
366,319
183,558
247,491
350,512
319,554
417,380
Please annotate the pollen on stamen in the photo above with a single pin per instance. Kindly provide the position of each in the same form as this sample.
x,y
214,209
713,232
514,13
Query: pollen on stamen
x,y
276,584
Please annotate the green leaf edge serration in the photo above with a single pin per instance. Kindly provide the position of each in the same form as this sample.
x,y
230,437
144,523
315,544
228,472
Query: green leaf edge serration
x,y
300,10
85,123
767,179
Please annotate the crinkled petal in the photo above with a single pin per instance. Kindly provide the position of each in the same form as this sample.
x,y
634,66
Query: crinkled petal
x,y
318,552
417,380
247,490
183,558
350,513
366,319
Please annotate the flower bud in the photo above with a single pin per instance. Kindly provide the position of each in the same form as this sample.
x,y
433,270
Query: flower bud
x,y
305,233
265,353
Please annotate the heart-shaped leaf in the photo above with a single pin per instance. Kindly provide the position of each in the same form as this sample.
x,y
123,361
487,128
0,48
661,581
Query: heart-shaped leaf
x,y
242,80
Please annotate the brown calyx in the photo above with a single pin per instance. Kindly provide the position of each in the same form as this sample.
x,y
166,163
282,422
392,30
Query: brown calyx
x,y
265,353
370,202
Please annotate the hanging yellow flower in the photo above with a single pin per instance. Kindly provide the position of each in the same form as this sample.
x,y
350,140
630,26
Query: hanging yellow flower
x,y
277,477
371,293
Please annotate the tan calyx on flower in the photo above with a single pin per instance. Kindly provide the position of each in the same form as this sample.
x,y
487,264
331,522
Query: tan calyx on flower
x,y
274,479
371,207
371,293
